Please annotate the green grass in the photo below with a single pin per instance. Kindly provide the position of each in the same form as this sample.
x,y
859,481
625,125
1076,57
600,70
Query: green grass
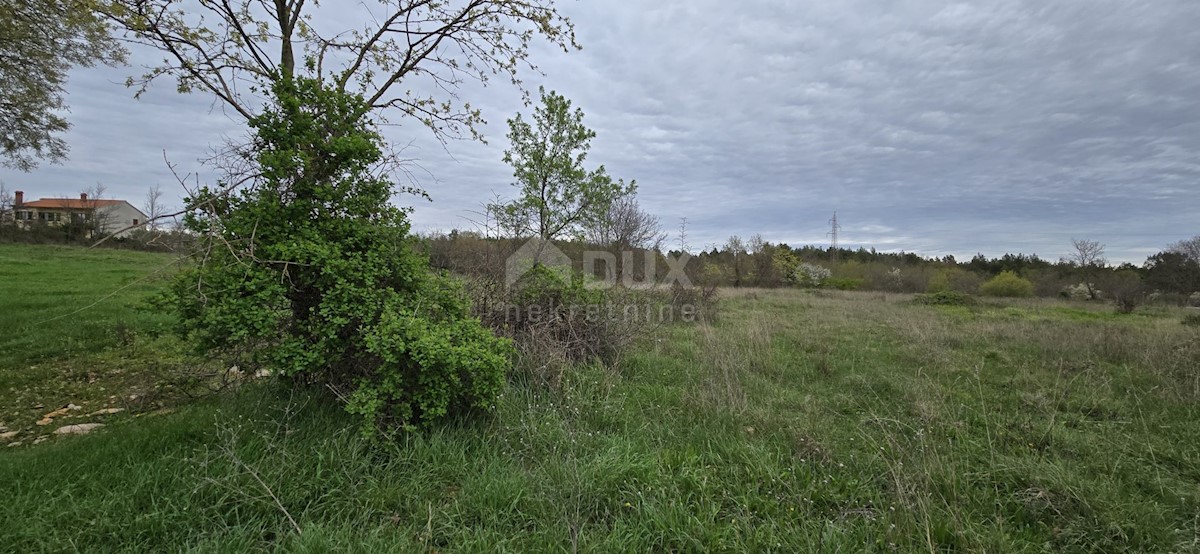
x,y
77,328
796,422
60,302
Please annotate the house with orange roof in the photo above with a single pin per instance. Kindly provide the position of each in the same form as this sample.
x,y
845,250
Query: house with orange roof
x,y
105,215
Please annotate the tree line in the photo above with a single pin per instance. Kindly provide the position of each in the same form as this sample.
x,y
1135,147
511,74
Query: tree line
x,y
1171,275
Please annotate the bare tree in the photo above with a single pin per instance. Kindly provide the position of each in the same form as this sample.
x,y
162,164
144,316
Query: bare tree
x,y
626,226
98,219
735,248
762,254
683,245
234,48
1189,248
154,207
1089,258
6,206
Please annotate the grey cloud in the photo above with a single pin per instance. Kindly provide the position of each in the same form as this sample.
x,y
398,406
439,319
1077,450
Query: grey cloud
x,y
930,126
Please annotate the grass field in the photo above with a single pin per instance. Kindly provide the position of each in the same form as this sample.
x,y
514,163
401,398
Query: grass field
x,y
77,328
796,421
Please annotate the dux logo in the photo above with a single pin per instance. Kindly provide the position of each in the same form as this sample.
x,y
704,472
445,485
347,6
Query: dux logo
x,y
534,252
537,251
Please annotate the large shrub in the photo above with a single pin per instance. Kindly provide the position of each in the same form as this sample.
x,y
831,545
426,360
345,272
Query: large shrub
x,y
810,275
1126,289
1007,284
309,271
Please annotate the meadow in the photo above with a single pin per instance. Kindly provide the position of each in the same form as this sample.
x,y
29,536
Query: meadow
x,y
793,421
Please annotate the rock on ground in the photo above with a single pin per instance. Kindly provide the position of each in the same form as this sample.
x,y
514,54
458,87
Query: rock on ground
x,y
80,429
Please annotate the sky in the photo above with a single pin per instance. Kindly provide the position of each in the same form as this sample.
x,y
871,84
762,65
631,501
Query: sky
x,y
941,128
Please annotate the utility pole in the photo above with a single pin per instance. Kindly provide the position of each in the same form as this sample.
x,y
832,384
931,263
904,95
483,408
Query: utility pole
x,y
833,234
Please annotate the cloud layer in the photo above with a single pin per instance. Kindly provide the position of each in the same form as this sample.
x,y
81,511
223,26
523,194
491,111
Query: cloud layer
x,y
929,126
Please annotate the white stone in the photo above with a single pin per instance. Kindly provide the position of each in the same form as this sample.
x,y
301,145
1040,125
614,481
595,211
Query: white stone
x,y
80,429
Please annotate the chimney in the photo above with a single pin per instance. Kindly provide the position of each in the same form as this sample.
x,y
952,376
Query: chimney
x,y
83,196
18,198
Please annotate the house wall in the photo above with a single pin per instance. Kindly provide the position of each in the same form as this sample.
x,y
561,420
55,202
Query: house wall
x,y
121,216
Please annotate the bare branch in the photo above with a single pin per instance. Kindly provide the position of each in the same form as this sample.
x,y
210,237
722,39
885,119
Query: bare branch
x,y
228,47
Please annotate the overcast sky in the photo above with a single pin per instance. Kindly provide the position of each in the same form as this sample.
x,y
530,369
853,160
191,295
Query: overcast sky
x,y
931,127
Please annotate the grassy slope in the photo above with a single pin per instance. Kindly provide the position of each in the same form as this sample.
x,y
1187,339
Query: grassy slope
x,y
797,422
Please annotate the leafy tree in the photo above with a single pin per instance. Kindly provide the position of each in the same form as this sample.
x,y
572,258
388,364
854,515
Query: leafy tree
x,y
42,40
785,262
558,195
1172,271
980,264
311,272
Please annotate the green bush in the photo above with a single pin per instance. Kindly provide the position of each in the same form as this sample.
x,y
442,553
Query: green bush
x,y
1007,284
946,298
309,271
940,282
1191,319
